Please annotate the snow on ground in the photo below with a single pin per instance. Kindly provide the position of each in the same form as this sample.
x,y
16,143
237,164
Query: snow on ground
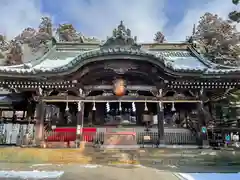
x,y
31,174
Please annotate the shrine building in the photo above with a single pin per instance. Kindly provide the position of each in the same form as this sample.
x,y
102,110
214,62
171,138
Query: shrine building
x,y
163,87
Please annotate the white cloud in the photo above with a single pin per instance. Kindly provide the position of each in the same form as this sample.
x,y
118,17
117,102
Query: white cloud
x,y
18,15
99,17
143,17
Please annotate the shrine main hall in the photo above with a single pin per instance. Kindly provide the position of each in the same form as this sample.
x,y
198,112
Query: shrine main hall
x,y
161,87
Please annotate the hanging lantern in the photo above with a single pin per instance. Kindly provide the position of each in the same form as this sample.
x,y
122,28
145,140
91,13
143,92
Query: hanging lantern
x,y
133,107
94,106
120,106
119,87
145,106
108,107
173,107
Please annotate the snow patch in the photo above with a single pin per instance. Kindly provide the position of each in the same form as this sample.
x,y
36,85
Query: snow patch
x,y
31,174
91,166
39,165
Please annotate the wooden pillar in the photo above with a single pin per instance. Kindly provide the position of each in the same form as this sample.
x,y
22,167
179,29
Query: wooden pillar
x,y
202,136
160,125
139,113
200,123
80,119
39,132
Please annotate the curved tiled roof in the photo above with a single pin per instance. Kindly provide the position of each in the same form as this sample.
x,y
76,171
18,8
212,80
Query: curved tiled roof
x,y
62,60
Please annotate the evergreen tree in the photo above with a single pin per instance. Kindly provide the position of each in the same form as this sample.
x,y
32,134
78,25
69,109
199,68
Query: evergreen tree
x,y
235,15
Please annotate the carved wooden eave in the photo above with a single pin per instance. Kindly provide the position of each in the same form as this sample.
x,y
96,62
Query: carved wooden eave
x,y
120,68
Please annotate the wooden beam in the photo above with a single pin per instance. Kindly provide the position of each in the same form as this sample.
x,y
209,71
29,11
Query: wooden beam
x,y
137,101
113,98
129,87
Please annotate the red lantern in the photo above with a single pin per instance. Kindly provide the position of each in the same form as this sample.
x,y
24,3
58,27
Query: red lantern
x,y
119,87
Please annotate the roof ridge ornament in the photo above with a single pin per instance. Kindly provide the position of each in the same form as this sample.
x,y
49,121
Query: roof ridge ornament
x,y
121,37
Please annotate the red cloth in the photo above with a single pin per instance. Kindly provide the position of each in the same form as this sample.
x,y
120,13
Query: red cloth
x,y
69,134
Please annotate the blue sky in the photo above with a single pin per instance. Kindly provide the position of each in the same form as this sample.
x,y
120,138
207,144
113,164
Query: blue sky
x,y
175,18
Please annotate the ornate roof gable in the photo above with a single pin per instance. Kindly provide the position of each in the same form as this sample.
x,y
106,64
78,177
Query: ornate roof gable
x,y
121,38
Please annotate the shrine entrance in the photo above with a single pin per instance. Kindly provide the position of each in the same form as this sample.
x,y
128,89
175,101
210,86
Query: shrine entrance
x,y
118,113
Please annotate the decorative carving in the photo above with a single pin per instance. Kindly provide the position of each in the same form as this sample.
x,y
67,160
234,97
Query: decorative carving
x,y
87,92
160,92
121,37
217,39
159,37
82,93
154,93
45,93
120,68
36,98
40,91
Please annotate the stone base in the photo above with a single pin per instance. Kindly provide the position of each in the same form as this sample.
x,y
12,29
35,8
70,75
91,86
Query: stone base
x,y
57,145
